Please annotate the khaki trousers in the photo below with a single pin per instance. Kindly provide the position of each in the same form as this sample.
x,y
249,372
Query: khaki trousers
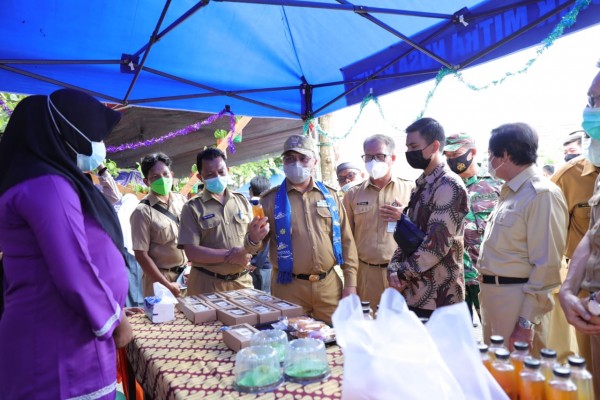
x,y
200,283
500,307
594,365
372,281
147,283
318,299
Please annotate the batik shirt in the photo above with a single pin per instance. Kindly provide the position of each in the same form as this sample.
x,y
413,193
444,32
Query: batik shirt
x,y
483,195
434,272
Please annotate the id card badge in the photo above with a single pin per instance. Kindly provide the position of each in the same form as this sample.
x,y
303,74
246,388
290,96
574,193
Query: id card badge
x,y
391,227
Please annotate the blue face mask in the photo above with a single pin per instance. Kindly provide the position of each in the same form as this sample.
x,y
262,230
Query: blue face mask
x,y
84,162
591,150
217,184
591,122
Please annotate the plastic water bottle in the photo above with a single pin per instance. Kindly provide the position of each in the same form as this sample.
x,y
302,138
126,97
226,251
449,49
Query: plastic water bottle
x,y
532,383
561,386
504,373
582,378
518,355
257,209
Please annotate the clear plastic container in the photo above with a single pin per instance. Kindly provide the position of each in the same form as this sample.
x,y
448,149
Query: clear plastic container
x,y
561,386
532,383
518,355
582,378
257,370
306,361
504,373
275,338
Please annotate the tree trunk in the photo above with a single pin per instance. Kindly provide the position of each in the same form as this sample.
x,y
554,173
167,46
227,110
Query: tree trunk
x,y
327,153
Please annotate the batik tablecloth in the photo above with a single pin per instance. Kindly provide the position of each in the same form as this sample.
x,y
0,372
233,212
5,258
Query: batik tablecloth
x,y
180,360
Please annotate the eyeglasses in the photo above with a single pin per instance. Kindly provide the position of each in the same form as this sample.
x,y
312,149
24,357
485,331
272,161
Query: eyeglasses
x,y
378,157
348,177
292,159
592,100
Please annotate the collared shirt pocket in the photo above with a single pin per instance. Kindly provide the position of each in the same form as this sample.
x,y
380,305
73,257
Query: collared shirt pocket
x,y
362,214
241,221
162,231
209,223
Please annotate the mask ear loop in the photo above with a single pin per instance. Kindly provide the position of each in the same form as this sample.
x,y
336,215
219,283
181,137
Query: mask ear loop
x,y
50,103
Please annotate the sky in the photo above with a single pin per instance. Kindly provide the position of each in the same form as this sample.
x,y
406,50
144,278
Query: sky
x,y
550,96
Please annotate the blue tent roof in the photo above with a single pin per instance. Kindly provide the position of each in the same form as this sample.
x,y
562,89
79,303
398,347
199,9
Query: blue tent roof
x,y
274,58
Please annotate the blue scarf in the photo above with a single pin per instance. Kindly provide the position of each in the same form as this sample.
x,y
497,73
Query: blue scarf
x,y
283,234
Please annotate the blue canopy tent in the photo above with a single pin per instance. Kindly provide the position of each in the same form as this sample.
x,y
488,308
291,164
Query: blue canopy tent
x,y
263,58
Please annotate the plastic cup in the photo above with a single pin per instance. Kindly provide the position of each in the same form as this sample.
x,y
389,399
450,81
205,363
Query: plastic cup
x,y
306,361
257,370
275,338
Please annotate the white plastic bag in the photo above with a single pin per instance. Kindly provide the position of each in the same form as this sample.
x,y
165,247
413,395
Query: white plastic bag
x,y
451,330
392,357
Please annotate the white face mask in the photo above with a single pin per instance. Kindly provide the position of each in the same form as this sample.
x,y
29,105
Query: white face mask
x,y
377,169
591,150
296,173
350,185
84,162
491,170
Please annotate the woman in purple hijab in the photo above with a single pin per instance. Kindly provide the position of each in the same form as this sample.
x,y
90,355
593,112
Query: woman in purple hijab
x,y
64,273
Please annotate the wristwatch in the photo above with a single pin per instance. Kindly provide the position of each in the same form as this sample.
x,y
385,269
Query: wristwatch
x,y
525,323
593,305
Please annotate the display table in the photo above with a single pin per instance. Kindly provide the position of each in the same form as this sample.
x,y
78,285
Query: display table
x,y
180,360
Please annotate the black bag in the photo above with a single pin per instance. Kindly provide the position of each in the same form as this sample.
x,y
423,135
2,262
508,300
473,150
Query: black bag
x,y
408,236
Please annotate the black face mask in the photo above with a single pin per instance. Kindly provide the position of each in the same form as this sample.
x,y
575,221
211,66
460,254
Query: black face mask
x,y
569,157
416,160
460,164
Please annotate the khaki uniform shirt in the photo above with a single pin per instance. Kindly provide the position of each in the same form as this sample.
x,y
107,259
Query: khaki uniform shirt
x,y
374,237
525,238
591,280
154,232
312,246
576,179
208,223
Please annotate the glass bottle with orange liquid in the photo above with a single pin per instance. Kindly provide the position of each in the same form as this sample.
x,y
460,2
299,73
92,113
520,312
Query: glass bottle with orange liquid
x,y
548,359
518,355
561,386
485,356
504,373
496,342
532,384
581,377
257,209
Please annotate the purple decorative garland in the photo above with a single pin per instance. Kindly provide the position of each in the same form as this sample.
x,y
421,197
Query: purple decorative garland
x,y
181,132
6,108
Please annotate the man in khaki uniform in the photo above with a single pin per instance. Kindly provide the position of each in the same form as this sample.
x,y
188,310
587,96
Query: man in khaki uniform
x,y
218,231
584,268
310,234
523,242
576,179
155,227
373,208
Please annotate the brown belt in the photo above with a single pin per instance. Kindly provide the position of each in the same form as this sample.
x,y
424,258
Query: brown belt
x,y
375,265
312,277
230,277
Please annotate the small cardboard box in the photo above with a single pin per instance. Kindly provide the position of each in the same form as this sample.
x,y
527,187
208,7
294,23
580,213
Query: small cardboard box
x,y
250,292
196,310
265,298
287,309
265,312
159,312
238,336
231,293
236,316
212,296
244,301
221,304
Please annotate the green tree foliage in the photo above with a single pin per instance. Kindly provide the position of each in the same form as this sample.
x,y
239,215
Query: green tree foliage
x,y
242,174
11,101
